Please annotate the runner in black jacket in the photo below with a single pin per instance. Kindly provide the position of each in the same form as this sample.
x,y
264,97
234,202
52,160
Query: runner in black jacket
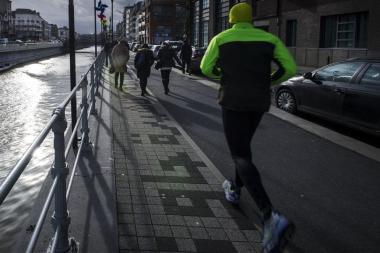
x,y
241,58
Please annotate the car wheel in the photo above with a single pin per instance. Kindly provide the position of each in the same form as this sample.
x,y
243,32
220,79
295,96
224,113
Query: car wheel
x,y
286,101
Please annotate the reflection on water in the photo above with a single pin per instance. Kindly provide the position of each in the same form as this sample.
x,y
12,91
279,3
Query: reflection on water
x,y
28,95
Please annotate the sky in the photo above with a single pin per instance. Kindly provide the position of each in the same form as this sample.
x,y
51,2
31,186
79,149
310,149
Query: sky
x,y
56,12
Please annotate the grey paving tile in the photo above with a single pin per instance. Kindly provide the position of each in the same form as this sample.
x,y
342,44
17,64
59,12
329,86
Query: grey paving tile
x,y
156,209
144,230
127,229
140,209
214,203
228,223
252,235
147,243
198,233
159,219
217,234
180,232
184,202
176,220
244,247
193,221
210,222
162,231
220,212
186,245
128,242
125,218
142,219
235,235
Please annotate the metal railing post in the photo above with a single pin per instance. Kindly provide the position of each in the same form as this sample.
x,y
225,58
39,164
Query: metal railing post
x,y
60,218
98,76
93,100
84,105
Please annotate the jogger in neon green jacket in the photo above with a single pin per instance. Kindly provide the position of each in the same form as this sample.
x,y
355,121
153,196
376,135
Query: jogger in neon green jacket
x,y
241,58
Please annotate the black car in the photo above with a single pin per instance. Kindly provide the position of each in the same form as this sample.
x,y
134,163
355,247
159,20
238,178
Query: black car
x,y
196,58
347,92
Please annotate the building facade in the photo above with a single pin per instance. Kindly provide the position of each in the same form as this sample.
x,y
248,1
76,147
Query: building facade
x,y
46,30
141,25
209,17
5,18
28,25
133,31
316,32
54,31
63,33
126,22
322,31
165,20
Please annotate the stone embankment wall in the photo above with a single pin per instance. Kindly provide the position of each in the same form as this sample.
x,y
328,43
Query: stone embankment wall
x,y
12,55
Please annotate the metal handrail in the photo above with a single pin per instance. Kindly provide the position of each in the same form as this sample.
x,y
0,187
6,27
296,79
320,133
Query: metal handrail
x,y
59,169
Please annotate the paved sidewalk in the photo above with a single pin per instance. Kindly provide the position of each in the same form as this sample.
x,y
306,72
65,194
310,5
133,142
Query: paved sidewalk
x,y
168,200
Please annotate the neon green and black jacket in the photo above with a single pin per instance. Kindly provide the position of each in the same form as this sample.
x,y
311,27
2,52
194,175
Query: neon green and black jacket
x,y
241,58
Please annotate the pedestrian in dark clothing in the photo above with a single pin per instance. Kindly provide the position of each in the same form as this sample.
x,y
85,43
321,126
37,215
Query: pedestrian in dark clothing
x,y
108,49
241,57
166,60
186,53
144,60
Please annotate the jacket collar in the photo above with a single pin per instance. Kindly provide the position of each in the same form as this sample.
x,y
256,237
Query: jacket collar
x,y
242,25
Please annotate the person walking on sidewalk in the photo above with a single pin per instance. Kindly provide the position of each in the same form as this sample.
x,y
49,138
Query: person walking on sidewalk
x,y
186,53
119,58
144,60
165,61
241,58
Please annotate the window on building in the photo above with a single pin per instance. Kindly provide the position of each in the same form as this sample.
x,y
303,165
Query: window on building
x,y
205,33
291,33
372,76
344,31
222,8
205,4
195,35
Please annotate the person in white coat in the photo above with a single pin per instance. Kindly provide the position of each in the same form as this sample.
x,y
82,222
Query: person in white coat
x,y
119,58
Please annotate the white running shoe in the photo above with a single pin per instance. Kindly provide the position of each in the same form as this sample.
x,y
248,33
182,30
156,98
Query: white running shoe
x,y
231,191
277,232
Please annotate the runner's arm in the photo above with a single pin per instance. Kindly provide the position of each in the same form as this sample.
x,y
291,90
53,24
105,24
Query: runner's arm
x,y
208,64
285,62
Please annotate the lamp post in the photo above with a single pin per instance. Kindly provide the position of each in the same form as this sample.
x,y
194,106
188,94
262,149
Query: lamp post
x,y
96,35
112,20
72,68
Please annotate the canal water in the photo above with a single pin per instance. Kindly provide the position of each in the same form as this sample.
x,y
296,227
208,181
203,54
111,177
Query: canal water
x,y
28,95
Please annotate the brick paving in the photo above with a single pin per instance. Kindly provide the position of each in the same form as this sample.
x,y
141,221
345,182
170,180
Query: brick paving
x,y
168,200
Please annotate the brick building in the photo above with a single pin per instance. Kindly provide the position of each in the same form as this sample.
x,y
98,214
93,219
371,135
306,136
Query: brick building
x,y
316,32
322,31
165,20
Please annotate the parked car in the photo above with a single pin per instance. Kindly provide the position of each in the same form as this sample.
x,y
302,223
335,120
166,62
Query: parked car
x,y
136,47
346,92
196,58
176,45
19,42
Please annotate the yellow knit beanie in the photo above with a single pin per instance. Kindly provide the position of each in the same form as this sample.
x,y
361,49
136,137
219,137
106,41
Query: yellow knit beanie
x,y
241,12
